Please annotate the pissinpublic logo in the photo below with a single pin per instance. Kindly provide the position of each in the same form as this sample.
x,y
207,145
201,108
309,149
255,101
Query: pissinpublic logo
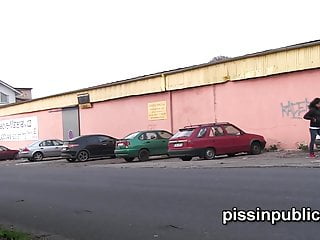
x,y
305,214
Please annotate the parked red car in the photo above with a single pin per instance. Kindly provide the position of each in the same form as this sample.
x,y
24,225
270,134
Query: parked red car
x,y
208,140
6,153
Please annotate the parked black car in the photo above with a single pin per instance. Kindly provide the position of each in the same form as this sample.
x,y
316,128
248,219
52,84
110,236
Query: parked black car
x,y
88,146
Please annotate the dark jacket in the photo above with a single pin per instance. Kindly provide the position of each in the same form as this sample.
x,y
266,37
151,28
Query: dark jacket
x,y
314,116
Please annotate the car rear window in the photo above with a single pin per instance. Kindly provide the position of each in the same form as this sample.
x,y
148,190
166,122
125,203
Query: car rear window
x,y
34,144
75,138
131,135
184,133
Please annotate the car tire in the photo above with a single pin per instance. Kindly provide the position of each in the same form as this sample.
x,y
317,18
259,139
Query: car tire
x,y
71,159
186,158
37,156
209,154
255,148
129,159
143,155
83,156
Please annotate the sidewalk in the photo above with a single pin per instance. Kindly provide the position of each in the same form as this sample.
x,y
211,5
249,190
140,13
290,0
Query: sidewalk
x,y
267,159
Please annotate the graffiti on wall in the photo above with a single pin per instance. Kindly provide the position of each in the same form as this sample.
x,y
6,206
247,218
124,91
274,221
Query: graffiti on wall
x,y
19,129
294,110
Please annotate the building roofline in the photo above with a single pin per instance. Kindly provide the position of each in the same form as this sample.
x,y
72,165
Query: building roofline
x,y
9,86
23,88
178,70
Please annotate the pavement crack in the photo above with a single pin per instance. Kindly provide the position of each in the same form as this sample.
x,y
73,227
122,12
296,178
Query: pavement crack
x,y
83,211
173,226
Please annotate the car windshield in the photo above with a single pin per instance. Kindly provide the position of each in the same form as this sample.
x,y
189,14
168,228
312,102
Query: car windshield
x,y
132,135
184,133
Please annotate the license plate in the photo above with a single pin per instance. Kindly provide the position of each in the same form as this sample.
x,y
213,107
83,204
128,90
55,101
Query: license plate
x,y
178,145
120,144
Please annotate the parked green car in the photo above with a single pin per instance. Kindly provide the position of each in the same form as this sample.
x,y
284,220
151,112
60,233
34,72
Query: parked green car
x,y
143,144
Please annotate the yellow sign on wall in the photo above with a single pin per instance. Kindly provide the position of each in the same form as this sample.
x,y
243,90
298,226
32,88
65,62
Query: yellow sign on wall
x,y
157,110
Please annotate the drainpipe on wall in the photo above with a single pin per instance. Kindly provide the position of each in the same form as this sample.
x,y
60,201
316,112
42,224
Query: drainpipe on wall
x,y
214,103
170,99
79,120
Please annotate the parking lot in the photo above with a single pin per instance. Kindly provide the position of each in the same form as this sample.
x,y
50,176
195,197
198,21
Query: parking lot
x,y
267,159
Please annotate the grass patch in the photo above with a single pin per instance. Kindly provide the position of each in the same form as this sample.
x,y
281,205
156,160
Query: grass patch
x,y
6,234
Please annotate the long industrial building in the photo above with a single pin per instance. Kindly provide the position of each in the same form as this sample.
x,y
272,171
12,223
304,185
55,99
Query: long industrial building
x,y
265,93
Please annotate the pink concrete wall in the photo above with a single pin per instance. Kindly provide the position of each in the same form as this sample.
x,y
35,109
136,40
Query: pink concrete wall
x,y
120,117
192,106
271,106
49,126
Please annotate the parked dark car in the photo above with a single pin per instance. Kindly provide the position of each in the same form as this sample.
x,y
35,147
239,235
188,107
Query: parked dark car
x,y
88,146
41,149
6,153
208,140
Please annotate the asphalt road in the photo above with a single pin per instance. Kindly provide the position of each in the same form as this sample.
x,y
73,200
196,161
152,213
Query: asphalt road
x,y
144,203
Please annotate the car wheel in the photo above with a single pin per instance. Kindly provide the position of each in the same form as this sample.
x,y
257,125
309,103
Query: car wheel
x,y
83,156
209,154
255,148
129,159
143,155
186,158
37,156
71,159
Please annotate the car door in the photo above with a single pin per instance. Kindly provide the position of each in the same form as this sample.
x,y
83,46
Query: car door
x,y
151,141
201,141
47,148
239,140
218,140
164,137
4,153
58,145
107,145
93,146
9,154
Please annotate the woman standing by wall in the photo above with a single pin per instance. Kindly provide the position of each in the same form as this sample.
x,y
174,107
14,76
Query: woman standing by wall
x,y
314,116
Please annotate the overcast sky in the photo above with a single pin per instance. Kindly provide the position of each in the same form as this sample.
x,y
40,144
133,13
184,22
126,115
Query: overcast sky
x,y
61,45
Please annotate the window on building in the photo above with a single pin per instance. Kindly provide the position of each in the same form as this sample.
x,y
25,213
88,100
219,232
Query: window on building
x,y
4,98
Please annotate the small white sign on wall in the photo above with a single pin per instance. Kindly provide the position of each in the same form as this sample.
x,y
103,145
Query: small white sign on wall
x,y
19,129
